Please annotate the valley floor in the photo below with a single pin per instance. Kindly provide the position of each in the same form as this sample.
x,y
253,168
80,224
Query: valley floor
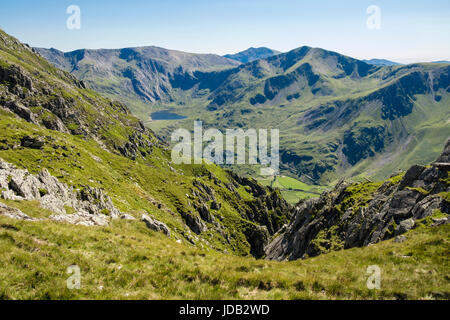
x,y
128,261
292,189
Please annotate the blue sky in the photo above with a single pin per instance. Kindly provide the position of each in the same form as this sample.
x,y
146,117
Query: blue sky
x,y
410,30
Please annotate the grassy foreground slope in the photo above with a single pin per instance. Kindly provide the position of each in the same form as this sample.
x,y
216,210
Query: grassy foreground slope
x,y
128,261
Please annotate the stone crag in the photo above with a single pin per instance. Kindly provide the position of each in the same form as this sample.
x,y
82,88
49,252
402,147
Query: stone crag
x,y
355,215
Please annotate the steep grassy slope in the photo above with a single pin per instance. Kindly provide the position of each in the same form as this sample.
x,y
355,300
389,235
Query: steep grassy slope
x,y
128,261
85,140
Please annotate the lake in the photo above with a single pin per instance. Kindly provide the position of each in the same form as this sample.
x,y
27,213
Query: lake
x,y
166,115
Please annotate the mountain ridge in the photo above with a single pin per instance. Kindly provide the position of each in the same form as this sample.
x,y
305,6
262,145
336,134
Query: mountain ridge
x,y
310,91
382,62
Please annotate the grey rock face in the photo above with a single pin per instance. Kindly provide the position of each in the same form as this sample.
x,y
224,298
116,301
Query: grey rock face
x,y
194,222
155,225
205,214
445,156
91,205
392,210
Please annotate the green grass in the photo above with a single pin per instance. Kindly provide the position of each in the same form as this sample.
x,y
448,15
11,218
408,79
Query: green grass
x,y
292,189
32,208
128,261
358,195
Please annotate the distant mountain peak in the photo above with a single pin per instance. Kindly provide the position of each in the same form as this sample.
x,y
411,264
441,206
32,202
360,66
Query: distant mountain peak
x,y
252,54
381,62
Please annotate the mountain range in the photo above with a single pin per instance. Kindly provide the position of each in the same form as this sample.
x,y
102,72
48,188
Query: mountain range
x,y
101,162
338,116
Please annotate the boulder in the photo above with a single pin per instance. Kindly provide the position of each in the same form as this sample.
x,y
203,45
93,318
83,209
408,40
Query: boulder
x,y
33,143
155,225
405,226
400,239
127,217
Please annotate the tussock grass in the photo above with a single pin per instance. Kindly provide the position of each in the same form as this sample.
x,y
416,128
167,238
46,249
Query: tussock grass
x,y
128,261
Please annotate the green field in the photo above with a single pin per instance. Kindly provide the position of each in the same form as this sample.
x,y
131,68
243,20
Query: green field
x,y
292,189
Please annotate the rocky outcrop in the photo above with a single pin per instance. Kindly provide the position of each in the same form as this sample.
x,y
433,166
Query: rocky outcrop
x,y
155,225
445,156
127,217
268,209
354,215
194,222
258,237
33,143
88,206
268,212
262,216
